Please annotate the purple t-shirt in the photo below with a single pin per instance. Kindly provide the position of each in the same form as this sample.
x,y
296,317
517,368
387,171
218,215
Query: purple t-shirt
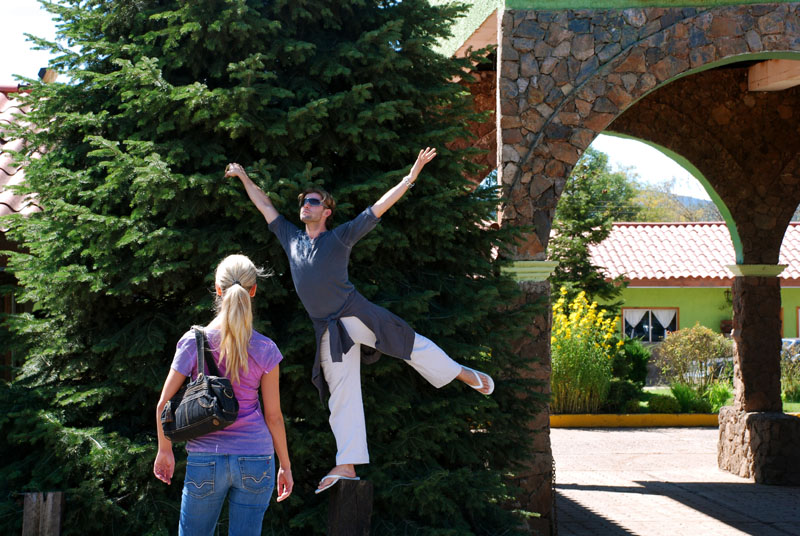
x,y
249,433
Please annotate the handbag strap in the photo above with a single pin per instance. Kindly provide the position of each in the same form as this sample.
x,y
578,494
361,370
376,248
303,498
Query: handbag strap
x,y
203,349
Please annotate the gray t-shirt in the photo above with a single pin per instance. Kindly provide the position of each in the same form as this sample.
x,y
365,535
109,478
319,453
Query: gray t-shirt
x,y
319,272
319,265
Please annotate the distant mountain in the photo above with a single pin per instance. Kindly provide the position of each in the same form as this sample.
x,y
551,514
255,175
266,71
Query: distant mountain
x,y
660,206
694,202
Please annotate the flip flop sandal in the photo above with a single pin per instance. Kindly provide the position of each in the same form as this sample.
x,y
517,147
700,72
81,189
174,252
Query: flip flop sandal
x,y
334,480
489,382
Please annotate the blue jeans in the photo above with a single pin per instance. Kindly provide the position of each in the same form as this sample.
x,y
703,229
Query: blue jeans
x,y
211,477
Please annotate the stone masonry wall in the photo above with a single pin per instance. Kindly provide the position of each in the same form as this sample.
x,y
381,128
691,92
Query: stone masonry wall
x,y
757,333
535,480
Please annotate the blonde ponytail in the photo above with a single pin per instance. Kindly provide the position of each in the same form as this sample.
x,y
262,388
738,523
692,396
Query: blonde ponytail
x,y
236,275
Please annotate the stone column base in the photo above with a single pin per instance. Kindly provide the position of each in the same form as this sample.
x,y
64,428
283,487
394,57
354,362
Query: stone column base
x,y
760,445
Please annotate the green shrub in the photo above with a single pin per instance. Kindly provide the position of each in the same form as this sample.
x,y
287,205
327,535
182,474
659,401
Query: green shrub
x,y
685,395
717,394
631,362
790,374
663,404
632,406
621,392
689,400
700,405
693,356
791,391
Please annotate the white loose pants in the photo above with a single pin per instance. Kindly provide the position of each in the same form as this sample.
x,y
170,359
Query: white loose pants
x,y
344,382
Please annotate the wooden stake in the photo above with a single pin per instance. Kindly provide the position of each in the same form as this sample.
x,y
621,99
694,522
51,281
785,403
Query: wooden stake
x,y
42,514
350,508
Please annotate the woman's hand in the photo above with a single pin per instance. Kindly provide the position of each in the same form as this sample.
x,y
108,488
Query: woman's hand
x,y
164,465
285,483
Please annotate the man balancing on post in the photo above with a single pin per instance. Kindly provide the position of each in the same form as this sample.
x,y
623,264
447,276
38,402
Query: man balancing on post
x,y
343,319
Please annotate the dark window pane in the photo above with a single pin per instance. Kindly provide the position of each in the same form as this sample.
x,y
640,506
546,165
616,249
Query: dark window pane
x,y
640,330
659,332
673,326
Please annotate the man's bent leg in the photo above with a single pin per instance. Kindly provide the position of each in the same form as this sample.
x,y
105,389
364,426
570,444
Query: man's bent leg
x,y
427,358
432,362
345,403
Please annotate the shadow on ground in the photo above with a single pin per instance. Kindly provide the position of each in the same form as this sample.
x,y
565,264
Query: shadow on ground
x,y
750,508
575,518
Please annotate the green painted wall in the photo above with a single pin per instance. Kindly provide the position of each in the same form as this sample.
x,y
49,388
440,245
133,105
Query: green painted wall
x,y
705,305
622,4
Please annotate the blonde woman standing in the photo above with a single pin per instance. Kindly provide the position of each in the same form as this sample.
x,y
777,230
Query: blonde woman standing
x,y
236,461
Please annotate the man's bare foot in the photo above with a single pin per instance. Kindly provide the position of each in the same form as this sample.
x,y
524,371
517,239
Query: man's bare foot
x,y
346,470
480,381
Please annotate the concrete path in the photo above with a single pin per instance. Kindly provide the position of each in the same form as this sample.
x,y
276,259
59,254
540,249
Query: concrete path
x,y
660,482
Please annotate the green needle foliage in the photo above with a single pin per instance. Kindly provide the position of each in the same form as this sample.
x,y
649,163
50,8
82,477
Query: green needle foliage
x,y
162,94
593,198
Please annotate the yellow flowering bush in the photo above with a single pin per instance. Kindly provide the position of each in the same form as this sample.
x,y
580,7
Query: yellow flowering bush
x,y
583,345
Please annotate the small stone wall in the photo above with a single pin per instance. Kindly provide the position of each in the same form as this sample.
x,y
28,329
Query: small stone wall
x,y
760,445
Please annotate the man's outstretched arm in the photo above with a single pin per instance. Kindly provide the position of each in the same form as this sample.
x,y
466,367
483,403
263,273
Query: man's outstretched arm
x,y
392,196
256,195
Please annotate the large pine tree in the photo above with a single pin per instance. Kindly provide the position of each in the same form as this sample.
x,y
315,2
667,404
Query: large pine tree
x,y
161,94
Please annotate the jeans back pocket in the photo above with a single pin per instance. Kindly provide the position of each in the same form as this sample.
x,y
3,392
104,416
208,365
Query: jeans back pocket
x,y
257,473
200,479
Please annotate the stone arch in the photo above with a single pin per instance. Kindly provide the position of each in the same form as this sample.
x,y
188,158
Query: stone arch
x,y
565,76
697,174
741,141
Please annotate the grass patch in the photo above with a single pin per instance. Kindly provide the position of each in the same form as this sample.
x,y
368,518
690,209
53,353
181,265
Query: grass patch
x,y
791,407
788,407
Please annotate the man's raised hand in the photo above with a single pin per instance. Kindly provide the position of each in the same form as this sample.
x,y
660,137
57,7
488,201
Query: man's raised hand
x,y
256,195
235,170
425,155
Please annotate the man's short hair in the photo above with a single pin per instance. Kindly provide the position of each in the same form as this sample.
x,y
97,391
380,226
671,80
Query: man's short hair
x,y
327,199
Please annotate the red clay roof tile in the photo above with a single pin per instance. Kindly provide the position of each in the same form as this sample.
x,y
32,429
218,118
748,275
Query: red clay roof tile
x,y
682,254
11,111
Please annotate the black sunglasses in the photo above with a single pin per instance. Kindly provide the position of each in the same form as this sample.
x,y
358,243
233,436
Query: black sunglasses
x,y
311,201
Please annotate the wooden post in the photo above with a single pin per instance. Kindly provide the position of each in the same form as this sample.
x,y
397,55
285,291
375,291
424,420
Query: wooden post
x,y
350,508
42,514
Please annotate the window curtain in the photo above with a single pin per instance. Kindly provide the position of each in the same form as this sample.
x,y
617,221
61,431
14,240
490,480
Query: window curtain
x,y
665,316
634,316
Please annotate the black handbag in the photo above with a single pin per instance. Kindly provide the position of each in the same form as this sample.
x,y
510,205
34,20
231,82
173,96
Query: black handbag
x,y
202,405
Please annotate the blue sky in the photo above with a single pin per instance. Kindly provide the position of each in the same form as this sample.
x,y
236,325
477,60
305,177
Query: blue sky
x,y
26,16
16,57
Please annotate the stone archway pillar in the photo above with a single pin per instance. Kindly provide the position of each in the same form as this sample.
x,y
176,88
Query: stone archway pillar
x,y
536,480
757,332
756,439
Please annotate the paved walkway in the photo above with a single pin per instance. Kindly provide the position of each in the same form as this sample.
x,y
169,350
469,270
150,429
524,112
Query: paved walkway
x,y
660,481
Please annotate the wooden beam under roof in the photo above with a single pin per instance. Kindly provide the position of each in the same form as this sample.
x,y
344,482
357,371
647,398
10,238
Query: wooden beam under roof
x,y
484,35
773,75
